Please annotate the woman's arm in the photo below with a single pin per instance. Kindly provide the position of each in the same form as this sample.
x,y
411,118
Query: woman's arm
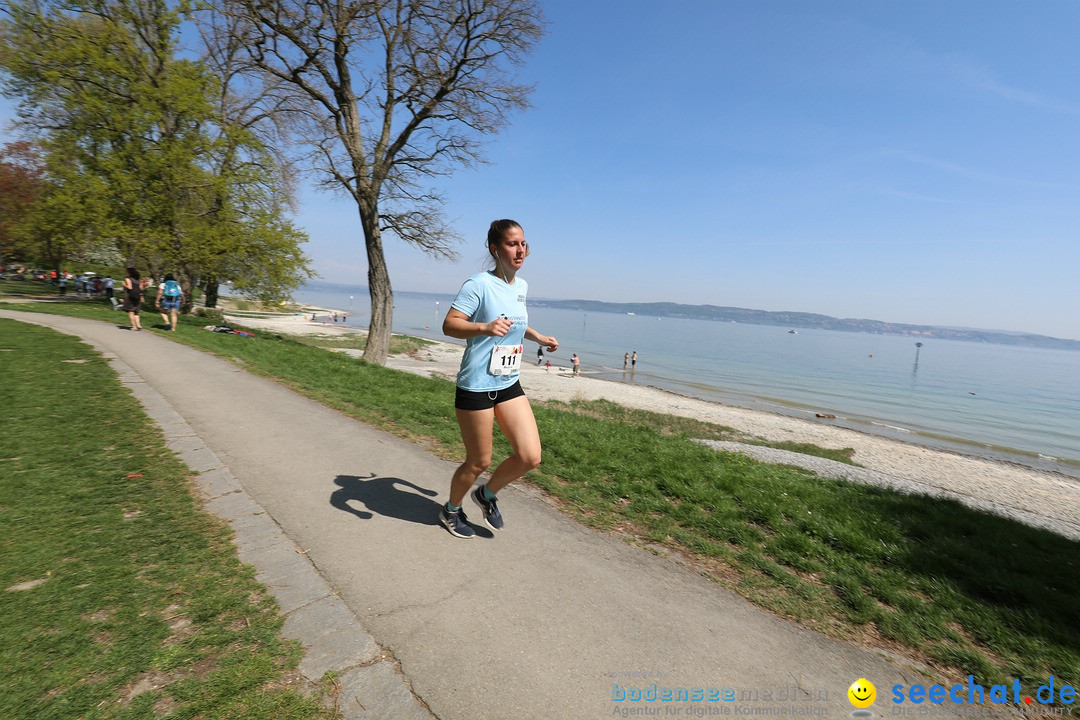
x,y
458,325
551,343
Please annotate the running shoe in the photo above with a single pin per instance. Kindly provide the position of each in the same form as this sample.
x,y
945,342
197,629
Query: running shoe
x,y
456,523
492,517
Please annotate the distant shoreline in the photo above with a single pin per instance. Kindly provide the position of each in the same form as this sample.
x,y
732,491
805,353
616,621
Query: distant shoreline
x,y
811,321
789,319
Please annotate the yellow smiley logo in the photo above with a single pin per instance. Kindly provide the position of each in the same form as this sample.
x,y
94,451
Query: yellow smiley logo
x,y
862,693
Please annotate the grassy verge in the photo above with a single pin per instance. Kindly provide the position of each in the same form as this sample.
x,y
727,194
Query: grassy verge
x,y
676,425
399,344
964,591
119,598
31,288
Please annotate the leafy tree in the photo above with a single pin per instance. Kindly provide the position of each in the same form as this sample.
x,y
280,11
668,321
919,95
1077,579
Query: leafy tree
x,y
389,94
118,114
64,224
138,142
41,219
22,182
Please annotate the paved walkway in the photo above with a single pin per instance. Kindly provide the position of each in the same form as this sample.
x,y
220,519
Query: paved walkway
x,y
545,620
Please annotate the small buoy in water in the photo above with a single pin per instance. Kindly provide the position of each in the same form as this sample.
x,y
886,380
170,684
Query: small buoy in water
x,y
827,416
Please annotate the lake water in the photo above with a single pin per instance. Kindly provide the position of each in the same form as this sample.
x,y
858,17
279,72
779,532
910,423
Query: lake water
x,y
998,401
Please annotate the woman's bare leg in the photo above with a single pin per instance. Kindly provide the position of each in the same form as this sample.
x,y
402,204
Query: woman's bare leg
x,y
518,424
476,428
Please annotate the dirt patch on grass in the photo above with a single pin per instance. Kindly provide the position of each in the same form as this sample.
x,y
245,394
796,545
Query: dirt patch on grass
x,y
143,683
28,585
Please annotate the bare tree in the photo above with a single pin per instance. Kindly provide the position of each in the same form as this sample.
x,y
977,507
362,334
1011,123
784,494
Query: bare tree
x,y
391,93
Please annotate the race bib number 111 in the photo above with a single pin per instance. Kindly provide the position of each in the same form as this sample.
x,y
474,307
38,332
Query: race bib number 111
x,y
506,359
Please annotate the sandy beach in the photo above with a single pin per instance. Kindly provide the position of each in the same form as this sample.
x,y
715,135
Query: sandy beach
x,y
1036,497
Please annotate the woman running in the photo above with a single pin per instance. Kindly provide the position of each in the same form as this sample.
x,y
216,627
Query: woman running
x,y
489,314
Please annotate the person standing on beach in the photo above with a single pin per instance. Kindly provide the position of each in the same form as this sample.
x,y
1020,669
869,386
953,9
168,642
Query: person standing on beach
x,y
633,361
489,314
133,297
539,355
577,363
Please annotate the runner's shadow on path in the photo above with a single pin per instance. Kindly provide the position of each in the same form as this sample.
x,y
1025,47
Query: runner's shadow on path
x,y
390,497
387,496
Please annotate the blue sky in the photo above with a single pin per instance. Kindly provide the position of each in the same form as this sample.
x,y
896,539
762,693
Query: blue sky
x,y
904,161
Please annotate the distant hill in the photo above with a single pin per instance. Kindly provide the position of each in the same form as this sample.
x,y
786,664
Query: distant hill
x,y
811,320
764,317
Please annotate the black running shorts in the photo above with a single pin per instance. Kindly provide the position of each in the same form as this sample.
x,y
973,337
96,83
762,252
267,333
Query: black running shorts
x,y
486,399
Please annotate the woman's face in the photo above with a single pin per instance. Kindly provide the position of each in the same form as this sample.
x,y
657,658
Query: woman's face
x,y
511,249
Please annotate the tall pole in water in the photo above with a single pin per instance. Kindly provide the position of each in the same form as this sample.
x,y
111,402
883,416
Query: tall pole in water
x,y
918,346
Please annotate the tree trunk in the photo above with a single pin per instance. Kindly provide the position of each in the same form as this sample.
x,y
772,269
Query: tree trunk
x,y
189,297
382,295
211,297
186,279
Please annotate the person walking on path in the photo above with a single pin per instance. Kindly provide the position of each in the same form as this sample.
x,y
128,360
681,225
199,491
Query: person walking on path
x,y
133,297
577,363
169,298
489,314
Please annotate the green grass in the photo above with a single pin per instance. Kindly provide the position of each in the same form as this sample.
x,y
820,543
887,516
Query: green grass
x,y
675,425
399,344
959,589
31,288
142,609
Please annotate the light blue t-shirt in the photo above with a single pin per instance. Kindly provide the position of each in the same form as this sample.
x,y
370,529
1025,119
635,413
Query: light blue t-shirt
x,y
484,298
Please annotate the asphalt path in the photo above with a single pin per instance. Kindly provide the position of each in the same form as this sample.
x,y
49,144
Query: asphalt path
x,y
544,619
